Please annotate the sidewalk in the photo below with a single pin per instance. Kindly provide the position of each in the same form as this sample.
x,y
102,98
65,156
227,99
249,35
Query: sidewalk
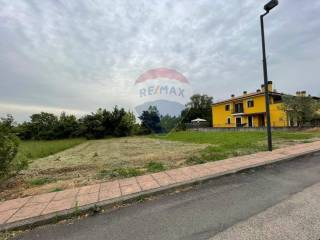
x,y
40,209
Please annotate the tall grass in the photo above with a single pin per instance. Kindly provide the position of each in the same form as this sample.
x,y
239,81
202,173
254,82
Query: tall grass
x,y
37,149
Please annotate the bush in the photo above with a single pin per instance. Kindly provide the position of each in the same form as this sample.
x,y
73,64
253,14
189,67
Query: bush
x,y
155,167
8,150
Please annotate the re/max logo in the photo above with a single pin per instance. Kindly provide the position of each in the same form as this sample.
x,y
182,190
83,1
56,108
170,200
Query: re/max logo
x,y
161,90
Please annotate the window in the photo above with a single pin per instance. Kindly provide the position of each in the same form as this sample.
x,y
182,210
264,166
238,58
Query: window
x,y
238,108
250,103
227,107
228,120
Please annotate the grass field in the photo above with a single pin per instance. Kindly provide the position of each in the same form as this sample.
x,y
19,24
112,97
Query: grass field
x,y
57,165
39,149
227,144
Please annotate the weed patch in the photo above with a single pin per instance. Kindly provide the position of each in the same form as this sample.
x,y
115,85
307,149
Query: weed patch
x,y
40,181
155,167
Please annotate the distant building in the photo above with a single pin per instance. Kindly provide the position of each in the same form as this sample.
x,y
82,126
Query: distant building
x,y
249,110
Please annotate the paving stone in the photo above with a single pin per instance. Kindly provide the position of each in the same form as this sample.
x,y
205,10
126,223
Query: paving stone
x,y
5,215
130,189
178,175
55,206
28,212
129,186
201,170
42,198
109,190
70,193
127,181
89,189
85,199
109,194
13,204
163,179
191,172
147,182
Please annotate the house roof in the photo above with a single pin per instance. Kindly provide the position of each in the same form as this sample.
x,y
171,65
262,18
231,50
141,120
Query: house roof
x,y
248,95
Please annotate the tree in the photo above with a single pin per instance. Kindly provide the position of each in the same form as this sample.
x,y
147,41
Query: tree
x,y
300,109
169,123
8,147
67,126
92,125
43,126
198,107
126,125
150,121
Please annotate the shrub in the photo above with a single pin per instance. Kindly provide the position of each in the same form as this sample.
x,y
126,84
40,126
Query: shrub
x,y
8,150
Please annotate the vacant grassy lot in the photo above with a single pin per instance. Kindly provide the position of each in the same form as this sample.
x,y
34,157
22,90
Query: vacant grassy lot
x,y
97,160
88,162
227,144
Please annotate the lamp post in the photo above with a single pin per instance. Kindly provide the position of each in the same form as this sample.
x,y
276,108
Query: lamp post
x,y
270,5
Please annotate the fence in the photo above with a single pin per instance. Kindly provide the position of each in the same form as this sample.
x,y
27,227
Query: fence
x,y
246,129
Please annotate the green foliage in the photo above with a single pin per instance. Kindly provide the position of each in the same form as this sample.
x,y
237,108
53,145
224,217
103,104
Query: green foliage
x,y
150,121
67,126
38,149
43,126
92,125
155,167
301,109
120,172
102,123
8,149
169,123
198,107
40,181
126,125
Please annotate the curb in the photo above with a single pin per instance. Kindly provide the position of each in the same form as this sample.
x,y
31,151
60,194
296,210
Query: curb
x,y
107,204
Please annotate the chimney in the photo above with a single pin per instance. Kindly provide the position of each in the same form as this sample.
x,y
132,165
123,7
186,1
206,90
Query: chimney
x,y
258,90
303,93
232,95
270,89
262,87
244,92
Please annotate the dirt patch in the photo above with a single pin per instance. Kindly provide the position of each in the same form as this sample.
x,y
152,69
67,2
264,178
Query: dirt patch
x,y
80,165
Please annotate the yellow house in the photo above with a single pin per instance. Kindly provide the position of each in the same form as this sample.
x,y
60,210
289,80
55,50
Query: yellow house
x,y
249,110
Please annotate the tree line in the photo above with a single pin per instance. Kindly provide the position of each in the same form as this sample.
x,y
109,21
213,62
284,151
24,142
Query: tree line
x,y
103,123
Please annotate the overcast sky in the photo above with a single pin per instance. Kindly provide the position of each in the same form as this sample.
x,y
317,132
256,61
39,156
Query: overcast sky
x,y
77,55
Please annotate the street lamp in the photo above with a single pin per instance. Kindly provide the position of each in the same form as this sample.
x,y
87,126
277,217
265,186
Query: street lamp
x,y
270,5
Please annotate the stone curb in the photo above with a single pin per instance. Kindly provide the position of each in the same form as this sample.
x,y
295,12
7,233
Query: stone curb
x,y
107,204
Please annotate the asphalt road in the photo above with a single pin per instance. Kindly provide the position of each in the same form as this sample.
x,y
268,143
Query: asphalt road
x,y
206,211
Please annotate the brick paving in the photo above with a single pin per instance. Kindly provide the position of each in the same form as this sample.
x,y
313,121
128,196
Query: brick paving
x,y
40,205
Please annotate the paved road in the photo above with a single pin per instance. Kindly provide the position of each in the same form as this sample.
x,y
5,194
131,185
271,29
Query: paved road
x,y
295,218
201,213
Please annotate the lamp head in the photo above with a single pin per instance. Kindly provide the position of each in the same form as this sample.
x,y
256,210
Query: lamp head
x,y
270,5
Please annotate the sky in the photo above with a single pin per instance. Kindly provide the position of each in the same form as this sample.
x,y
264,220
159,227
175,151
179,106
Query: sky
x,y
79,55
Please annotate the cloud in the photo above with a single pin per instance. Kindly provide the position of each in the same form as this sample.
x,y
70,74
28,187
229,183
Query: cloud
x,y
87,54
